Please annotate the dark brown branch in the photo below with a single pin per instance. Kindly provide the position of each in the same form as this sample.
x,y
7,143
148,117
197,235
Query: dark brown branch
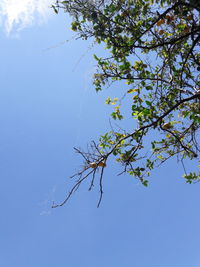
x,y
101,187
72,190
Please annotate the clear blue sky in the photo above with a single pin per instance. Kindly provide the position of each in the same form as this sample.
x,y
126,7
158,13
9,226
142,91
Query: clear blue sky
x,y
47,106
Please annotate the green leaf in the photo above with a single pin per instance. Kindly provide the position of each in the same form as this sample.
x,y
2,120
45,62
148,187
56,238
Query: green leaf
x,y
145,183
55,9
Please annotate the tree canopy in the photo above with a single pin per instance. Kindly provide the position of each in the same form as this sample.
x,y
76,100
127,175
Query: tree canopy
x,y
154,54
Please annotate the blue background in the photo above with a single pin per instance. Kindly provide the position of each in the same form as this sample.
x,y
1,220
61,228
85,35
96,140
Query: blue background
x,y
48,106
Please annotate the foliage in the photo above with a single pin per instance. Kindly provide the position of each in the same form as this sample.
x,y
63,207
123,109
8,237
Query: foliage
x,y
153,48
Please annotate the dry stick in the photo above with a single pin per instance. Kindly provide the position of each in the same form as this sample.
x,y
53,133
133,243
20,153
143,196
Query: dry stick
x,y
101,187
72,190
92,182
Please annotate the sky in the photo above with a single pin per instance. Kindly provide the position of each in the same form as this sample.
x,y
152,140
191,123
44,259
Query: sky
x,y
47,106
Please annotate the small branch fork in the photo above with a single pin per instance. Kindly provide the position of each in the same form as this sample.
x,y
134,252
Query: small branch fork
x,y
94,161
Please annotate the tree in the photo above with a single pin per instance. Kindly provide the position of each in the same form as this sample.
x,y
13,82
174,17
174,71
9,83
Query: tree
x,y
154,53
